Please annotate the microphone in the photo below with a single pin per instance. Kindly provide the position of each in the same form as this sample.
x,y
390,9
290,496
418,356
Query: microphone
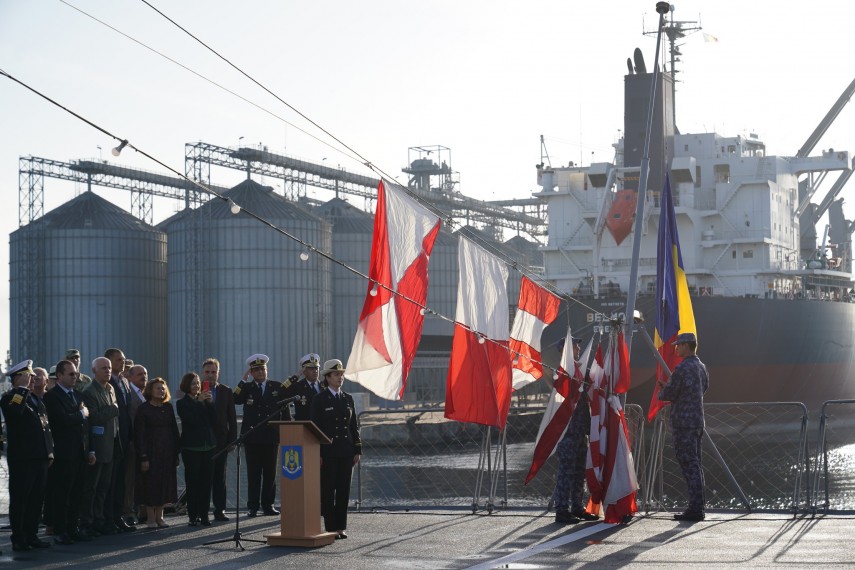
x,y
289,400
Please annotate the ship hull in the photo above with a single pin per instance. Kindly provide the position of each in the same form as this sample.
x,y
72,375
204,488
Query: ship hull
x,y
756,350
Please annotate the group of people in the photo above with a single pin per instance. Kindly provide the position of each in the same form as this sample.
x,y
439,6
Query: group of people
x,y
685,390
98,455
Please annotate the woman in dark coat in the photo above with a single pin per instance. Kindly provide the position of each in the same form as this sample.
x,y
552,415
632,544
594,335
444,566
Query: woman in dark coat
x,y
334,413
198,442
156,441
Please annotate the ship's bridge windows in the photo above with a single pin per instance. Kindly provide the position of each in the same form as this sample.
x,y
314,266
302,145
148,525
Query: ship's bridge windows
x,y
722,173
748,254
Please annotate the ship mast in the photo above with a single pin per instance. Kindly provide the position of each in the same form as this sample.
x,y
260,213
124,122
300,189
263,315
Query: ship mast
x,y
675,30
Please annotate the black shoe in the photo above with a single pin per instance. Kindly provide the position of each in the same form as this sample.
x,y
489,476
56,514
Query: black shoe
x,y
205,521
21,546
82,535
124,526
690,516
584,515
129,520
63,539
38,543
564,517
194,522
252,513
342,534
221,516
270,512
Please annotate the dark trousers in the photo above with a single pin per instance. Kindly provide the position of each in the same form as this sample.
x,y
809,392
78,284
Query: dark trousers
x,y
198,473
572,453
218,486
50,485
336,473
27,479
96,485
687,448
114,503
260,475
65,495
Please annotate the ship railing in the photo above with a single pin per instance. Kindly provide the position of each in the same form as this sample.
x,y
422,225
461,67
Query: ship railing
x,y
755,458
417,457
835,453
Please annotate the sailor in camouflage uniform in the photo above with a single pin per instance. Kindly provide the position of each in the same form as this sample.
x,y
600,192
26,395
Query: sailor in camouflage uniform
x,y
306,386
572,452
685,390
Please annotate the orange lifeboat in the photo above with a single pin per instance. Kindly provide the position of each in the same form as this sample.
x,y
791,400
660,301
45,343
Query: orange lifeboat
x,y
621,214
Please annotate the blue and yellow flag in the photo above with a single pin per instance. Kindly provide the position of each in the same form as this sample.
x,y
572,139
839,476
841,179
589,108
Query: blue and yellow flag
x,y
674,313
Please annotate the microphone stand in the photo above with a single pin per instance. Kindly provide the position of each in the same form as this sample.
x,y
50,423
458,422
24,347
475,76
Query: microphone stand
x,y
237,538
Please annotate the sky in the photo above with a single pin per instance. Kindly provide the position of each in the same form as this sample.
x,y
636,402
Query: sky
x,y
484,78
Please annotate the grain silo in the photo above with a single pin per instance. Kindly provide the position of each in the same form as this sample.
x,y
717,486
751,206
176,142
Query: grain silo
x,y
238,287
91,276
352,232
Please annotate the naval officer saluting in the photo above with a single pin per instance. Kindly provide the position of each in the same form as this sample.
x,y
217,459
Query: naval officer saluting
x,y
260,398
307,386
29,453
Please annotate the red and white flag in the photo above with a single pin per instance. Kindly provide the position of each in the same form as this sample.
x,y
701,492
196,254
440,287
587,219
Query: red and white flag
x,y
566,391
610,468
390,326
478,385
537,308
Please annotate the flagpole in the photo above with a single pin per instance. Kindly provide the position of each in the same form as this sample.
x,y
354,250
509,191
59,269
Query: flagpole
x,y
662,8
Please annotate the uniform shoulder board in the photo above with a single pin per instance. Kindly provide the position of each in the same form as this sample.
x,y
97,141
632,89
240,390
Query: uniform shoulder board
x,y
236,391
17,399
287,383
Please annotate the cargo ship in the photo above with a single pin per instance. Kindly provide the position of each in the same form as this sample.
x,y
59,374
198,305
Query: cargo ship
x,y
773,303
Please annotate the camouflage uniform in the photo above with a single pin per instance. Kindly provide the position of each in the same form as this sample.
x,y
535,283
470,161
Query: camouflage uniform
x,y
572,453
685,390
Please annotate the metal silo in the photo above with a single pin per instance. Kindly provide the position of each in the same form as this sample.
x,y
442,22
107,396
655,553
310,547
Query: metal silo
x,y
238,287
91,276
352,232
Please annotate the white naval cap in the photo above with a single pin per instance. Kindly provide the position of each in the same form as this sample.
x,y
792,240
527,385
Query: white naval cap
x,y
311,360
257,360
23,366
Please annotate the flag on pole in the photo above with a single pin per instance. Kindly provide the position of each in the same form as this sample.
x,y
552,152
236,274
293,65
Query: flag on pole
x,y
610,467
566,391
390,326
674,313
537,308
478,385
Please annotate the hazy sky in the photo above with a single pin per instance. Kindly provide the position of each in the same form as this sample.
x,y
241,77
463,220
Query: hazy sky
x,y
485,78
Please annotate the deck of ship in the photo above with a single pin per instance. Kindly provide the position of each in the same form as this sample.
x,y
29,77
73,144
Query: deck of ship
x,y
458,539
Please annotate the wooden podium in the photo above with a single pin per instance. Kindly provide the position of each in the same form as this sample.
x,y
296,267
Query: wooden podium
x,y
300,486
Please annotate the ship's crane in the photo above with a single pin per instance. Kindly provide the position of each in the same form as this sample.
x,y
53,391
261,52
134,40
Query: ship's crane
x,y
808,218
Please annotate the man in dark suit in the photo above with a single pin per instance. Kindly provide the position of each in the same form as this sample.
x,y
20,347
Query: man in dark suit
x,y
137,378
104,445
114,505
225,430
306,386
67,414
260,399
29,453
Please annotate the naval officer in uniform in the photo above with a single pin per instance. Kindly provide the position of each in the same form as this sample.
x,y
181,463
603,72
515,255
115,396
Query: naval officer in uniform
x,y
260,399
685,390
334,413
29,453
307,386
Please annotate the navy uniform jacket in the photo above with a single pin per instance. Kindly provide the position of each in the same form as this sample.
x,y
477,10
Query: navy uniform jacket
x,y
256,407
301,387
685,390
69,428
336,417
27,431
